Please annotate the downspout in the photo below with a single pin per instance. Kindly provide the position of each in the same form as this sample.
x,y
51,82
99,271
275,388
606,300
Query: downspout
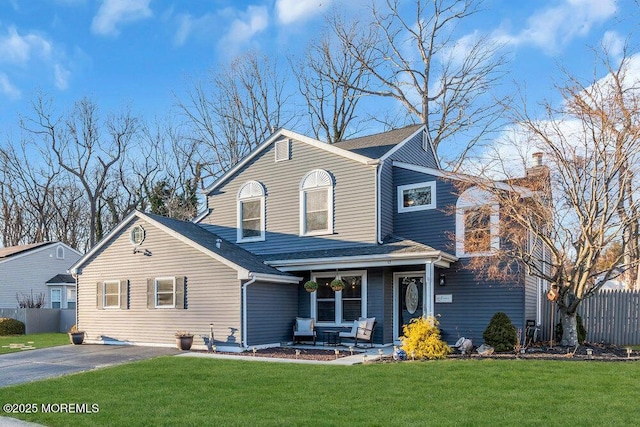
x,y
245,327
378,202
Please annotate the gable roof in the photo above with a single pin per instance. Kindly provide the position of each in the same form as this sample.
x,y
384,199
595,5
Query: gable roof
x,y
15,250
380,144
394,250
244,262
367,150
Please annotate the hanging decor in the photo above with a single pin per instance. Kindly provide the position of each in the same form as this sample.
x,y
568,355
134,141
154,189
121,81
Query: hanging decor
x,y
311,286
337,284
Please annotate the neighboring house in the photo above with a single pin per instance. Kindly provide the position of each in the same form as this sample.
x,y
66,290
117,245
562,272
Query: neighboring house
x,y
376,211
27,271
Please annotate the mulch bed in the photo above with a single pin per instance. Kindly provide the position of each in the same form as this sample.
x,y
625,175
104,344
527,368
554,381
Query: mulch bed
x,y
541,351
290,353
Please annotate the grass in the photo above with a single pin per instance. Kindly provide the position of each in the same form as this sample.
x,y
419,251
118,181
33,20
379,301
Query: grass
x,y
31,340
193,391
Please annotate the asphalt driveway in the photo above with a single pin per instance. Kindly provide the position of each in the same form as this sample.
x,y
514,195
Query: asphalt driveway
x,y
33,365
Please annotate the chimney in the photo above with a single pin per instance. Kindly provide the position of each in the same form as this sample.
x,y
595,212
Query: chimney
x,y
537,158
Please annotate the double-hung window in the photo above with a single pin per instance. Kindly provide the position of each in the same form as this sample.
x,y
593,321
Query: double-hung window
x,y
316,203
166,293
251,212
477,222
71,297
111,294
56,298
342,307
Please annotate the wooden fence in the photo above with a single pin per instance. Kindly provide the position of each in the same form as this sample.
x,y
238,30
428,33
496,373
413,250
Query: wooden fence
x,y
609,317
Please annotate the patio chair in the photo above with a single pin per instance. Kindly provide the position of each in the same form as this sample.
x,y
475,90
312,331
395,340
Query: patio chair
x,y
362,330
304,327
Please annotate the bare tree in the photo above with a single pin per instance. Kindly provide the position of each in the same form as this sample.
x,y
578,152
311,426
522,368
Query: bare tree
x,y
591,144
243,105
327,78
441,79
83,145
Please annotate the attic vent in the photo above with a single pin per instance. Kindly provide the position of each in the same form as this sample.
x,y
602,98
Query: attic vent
x,y
282,150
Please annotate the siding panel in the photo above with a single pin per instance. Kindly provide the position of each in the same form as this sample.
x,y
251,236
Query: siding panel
x,y
212,292
354,195
271,308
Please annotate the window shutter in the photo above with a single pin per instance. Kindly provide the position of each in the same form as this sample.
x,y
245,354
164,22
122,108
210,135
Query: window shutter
x,y
124,294
180,292
99,298
151,294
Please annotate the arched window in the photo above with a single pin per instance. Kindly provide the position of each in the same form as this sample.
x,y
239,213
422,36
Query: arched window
x,y
477,222
316,203
60,252
251,212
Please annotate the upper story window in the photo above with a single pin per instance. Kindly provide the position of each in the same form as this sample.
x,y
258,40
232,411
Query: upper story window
x,y
477,223
417,197
251,212
60,252
316,203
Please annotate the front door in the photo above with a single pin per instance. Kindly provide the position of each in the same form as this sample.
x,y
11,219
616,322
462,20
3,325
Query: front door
x,y
409,299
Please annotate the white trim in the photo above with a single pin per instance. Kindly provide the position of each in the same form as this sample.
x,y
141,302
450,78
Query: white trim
x,y
474,198
523,191
379,203
338,321
272,278
429,291
243,273
155,292
402,143
293,135
202,215
104,294
132,235
316,180
442,260
402,188
255,192
396,298
39,249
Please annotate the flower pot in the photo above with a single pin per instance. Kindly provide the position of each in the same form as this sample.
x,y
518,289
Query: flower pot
x,y
337,285
184,342
76,338
311,286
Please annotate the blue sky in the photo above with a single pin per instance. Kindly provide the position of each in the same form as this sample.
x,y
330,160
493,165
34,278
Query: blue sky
x,y
141,52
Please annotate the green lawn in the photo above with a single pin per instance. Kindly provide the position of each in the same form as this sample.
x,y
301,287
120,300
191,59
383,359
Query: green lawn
x,y
189,391
31,340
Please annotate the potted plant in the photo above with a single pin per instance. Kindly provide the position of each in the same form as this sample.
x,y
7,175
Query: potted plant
x,y
184,340
311,286
337,284
75,336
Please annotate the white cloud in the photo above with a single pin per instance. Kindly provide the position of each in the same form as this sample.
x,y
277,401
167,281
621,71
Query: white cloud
x,y
290,11
61,76
613,44
112,13
7,88
18,49
250,23
554,27
189,25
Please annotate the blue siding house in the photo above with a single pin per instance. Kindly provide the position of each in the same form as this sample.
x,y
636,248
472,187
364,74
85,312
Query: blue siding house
x,y
376,211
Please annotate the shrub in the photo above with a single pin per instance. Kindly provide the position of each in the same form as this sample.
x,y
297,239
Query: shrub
x,y
500,333
422,339
9,326
582,332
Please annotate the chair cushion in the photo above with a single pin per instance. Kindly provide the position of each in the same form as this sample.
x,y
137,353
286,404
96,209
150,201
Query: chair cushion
x,y
366,325
352,333
304,326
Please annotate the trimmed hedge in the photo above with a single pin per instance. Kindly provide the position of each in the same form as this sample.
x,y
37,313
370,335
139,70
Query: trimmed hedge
x,y
9,326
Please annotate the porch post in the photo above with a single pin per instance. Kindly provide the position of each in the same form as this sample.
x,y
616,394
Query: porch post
x,y
428,302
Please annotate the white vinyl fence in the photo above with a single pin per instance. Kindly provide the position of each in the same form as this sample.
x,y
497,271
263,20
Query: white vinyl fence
x,y
611,317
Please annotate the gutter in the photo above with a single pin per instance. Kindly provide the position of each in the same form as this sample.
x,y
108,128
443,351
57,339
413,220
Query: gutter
x,y
378,207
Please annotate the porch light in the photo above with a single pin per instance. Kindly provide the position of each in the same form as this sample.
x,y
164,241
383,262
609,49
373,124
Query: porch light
x,y
442,281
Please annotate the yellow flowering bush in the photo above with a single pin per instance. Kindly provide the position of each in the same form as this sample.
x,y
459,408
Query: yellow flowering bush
x,y
421,339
